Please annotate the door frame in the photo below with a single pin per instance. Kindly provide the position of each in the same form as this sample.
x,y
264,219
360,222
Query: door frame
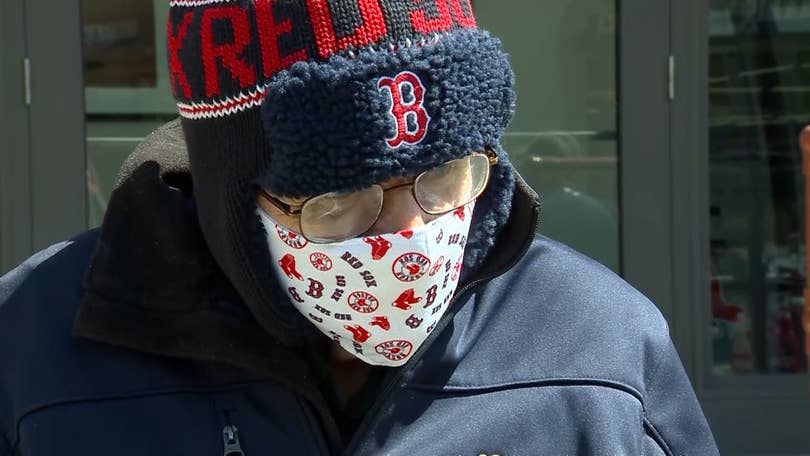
x,y
665,220
42,183
15,195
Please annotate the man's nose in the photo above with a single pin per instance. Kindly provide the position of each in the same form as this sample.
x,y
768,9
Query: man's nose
x,y
400,212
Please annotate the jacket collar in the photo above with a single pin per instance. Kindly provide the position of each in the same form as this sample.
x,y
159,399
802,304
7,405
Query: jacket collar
x,y
155,287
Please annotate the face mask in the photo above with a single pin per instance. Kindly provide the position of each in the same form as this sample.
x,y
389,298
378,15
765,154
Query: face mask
x,y
379,297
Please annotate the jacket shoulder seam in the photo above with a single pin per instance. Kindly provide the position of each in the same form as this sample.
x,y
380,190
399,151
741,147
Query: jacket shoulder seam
x,y
559,382
656,436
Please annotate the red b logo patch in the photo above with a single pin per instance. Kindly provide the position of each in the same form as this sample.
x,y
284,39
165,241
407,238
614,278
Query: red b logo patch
x,y
407,108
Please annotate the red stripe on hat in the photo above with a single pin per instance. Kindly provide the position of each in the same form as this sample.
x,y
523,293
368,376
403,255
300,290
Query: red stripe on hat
x,y
222,107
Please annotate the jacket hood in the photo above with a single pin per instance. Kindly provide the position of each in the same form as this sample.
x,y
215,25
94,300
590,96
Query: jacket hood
x,y
154,285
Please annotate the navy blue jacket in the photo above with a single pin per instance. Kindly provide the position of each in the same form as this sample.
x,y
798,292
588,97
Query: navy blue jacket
x,y
543,352
556,356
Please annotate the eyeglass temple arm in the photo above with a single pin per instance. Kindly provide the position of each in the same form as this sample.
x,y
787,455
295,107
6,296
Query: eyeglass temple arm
x,y
492,156
280,205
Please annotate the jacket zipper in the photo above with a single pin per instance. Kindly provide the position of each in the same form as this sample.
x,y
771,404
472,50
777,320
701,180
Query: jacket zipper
x,y
371,417
230,438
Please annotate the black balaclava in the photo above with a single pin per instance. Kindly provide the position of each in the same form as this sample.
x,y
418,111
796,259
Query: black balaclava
x,y
310,96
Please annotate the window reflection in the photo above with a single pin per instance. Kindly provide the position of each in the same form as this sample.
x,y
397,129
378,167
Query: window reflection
x,y
563,139
119,43
759,97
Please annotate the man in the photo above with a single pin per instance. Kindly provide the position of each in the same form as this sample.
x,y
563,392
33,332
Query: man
x,y
331,254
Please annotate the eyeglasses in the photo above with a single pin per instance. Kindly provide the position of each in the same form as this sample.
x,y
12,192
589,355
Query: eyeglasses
x,y
337,216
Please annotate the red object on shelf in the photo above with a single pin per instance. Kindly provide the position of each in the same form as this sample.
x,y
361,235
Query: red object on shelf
x,y
804,142
721,310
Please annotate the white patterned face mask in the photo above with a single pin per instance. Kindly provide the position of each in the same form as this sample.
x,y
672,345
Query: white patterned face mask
x,y
379,297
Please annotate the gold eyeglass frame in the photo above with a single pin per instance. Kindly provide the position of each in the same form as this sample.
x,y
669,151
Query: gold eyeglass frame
x,y
297,210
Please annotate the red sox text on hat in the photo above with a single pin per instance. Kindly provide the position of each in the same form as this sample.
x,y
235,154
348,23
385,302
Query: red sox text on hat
x,y
222,52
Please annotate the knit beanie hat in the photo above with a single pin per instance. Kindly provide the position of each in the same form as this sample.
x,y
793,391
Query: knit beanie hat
x,y
305,97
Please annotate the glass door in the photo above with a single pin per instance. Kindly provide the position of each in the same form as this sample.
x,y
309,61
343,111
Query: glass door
x,y
759,101
756,90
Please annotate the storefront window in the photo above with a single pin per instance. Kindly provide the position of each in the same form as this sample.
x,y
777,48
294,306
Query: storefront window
x,y
563,139
119,43
759,91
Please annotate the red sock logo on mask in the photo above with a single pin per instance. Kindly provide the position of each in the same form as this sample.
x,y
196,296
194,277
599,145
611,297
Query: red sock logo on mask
x,y
359,333
287,264
406,300
379,246
381,322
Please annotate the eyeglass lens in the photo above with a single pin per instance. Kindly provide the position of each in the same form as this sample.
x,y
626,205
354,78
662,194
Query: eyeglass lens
x,y
453,185
338,216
